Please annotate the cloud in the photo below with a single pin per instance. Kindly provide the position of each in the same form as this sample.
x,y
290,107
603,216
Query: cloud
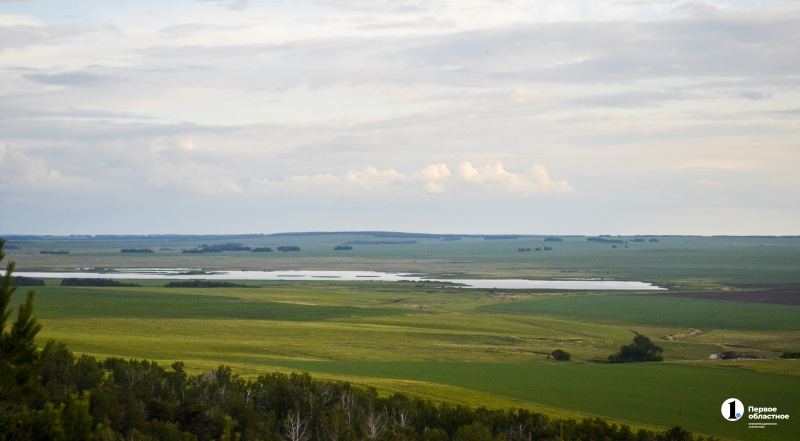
x,y
755,95
78,79
698,9
713,163
537,180
187,144
318,179
18,32
19,20
23,174
233,5
432,187
374,182
291,101
710,184
424,22
371,176
367,182
432,172
381,6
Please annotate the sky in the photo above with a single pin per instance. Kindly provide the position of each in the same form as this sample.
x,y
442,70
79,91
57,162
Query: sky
x,y
468,116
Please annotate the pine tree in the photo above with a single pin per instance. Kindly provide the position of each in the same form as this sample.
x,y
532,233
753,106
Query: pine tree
x,y
19,354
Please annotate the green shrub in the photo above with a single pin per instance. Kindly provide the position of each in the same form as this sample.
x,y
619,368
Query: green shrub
x,y
560,355
642,349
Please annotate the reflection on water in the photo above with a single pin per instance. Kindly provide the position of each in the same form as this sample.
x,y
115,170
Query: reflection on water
x,y
372,276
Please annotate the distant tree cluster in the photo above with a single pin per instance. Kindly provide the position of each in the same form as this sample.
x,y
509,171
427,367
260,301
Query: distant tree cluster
x,y
204,284
730,355
262,250
639,239
553,239
543,249
285,249
791,355
522,250
501,237
230,246
641,350
342,248
137,250
54,252
381,242
560,355
27,281
96,282
604,240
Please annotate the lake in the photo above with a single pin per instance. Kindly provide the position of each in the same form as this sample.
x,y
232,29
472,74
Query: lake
x,y
363,276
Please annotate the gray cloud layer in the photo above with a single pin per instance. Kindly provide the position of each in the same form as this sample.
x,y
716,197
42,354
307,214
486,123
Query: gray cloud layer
x,y
677,124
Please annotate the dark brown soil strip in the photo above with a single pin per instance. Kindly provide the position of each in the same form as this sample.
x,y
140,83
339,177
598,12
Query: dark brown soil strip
x,y
777,294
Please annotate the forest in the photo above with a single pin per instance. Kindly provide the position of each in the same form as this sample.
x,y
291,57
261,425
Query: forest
x,y
96,282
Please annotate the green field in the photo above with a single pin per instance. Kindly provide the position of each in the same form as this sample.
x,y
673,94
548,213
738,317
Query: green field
x,y
436,337
662,311
76,302
632,392
476,347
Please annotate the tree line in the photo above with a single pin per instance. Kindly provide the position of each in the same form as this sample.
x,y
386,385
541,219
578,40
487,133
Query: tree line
x,y
230,246
98,282
26,281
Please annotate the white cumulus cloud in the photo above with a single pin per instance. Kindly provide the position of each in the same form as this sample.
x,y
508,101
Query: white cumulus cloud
x,y
495,177
371,176
433,172
431,179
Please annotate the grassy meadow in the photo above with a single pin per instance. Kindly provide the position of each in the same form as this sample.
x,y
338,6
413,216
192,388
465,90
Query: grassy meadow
x,y
661,311
476,347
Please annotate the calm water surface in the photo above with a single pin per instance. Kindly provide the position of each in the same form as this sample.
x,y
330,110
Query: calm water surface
x,y
191,274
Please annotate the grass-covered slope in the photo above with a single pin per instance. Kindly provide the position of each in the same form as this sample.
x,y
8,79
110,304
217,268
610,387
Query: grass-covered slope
x,y
657,394
56,303
378,332
662,311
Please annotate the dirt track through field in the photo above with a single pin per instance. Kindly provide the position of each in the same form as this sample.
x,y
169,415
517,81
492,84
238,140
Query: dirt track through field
x,y
777,294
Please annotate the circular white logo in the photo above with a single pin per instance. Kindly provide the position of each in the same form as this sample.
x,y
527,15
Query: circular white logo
x,y
732,409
